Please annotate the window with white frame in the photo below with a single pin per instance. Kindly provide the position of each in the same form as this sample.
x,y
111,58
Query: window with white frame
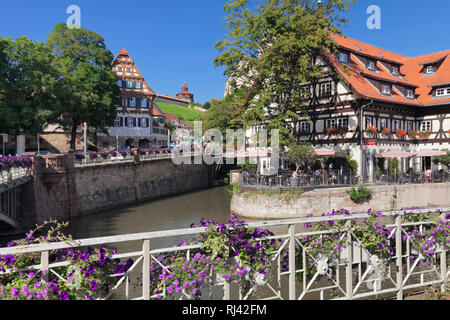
x,y
442,92
409,93
396,124
384,123
117,122
343,57
409,126
429,69
144,122
132,102
395,71
370,121
342,122
306,91
371,65
386,89
330,123
305,127
325,89
129,84
425,126
129,122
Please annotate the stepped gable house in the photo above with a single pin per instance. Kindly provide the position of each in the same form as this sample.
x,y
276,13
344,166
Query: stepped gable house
x,y
139,122
396,102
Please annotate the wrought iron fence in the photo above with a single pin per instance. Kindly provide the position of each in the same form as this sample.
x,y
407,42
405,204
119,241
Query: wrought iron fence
x,y
288,181
354,274
415,178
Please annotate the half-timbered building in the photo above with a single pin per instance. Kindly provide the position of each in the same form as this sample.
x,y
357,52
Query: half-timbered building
x,y
374,100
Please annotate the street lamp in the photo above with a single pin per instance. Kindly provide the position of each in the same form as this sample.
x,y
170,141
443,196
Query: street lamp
x,y
361,128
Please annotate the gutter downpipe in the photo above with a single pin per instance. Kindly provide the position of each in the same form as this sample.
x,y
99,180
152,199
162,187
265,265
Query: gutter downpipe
x,y
361,127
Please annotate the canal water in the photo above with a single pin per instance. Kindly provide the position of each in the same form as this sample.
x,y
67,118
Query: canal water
x,y
176,212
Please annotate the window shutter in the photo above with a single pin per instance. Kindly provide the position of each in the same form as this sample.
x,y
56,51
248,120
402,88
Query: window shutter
x,y
139,122
121,121
134,122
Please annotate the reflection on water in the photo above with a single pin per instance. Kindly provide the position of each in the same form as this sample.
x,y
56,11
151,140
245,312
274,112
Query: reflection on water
x,y
166,214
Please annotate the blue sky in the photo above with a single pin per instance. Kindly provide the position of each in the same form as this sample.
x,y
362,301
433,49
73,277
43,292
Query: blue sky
x,y
172,41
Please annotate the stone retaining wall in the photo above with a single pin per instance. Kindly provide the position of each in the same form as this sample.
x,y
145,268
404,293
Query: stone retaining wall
x,y
110,185
384,198
59,190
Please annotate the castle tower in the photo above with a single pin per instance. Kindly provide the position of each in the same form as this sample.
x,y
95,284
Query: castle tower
x,y
185,94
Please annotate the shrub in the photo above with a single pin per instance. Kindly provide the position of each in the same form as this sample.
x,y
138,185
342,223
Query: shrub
x,y
360,195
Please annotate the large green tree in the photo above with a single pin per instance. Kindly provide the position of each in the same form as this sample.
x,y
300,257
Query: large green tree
x,y
91,92
300,154
271,50
29,86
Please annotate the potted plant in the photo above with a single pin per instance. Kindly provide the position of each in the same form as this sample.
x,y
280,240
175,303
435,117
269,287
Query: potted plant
x,y
400,133
372,129
386,131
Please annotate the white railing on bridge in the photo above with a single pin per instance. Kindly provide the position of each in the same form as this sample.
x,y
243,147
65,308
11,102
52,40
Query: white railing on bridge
x,y
7,176
354,275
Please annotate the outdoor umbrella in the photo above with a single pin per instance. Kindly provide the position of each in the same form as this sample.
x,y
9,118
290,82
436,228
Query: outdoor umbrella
x,y
324,152
395,154
430,153
248,154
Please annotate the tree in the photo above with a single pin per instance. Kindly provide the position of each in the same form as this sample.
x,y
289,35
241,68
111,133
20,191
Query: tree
x,y
219,116
91,92
444,160
271,50
300,154
29,86
207,105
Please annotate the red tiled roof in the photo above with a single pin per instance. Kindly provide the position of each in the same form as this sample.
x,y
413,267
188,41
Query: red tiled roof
x,y
358,76
171,117
172,98
123,51
413,69
185,92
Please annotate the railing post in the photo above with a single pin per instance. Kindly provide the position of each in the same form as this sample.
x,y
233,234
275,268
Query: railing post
x,y
226,290
398,248
443,263
146,270
292,262
349,268
44,265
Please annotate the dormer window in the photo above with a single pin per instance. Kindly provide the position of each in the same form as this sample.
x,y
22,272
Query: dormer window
x,y
395,71
371,65
409,94
343,57
443,92
386,89
429,69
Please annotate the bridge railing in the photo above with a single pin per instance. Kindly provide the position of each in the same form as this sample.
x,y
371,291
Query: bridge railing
x,y
354,274
7,176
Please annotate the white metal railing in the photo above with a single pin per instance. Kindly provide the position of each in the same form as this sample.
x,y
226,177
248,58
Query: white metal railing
x,y
354,275
7,176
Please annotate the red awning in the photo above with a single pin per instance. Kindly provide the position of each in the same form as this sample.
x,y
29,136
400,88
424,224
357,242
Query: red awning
x,y
395,154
